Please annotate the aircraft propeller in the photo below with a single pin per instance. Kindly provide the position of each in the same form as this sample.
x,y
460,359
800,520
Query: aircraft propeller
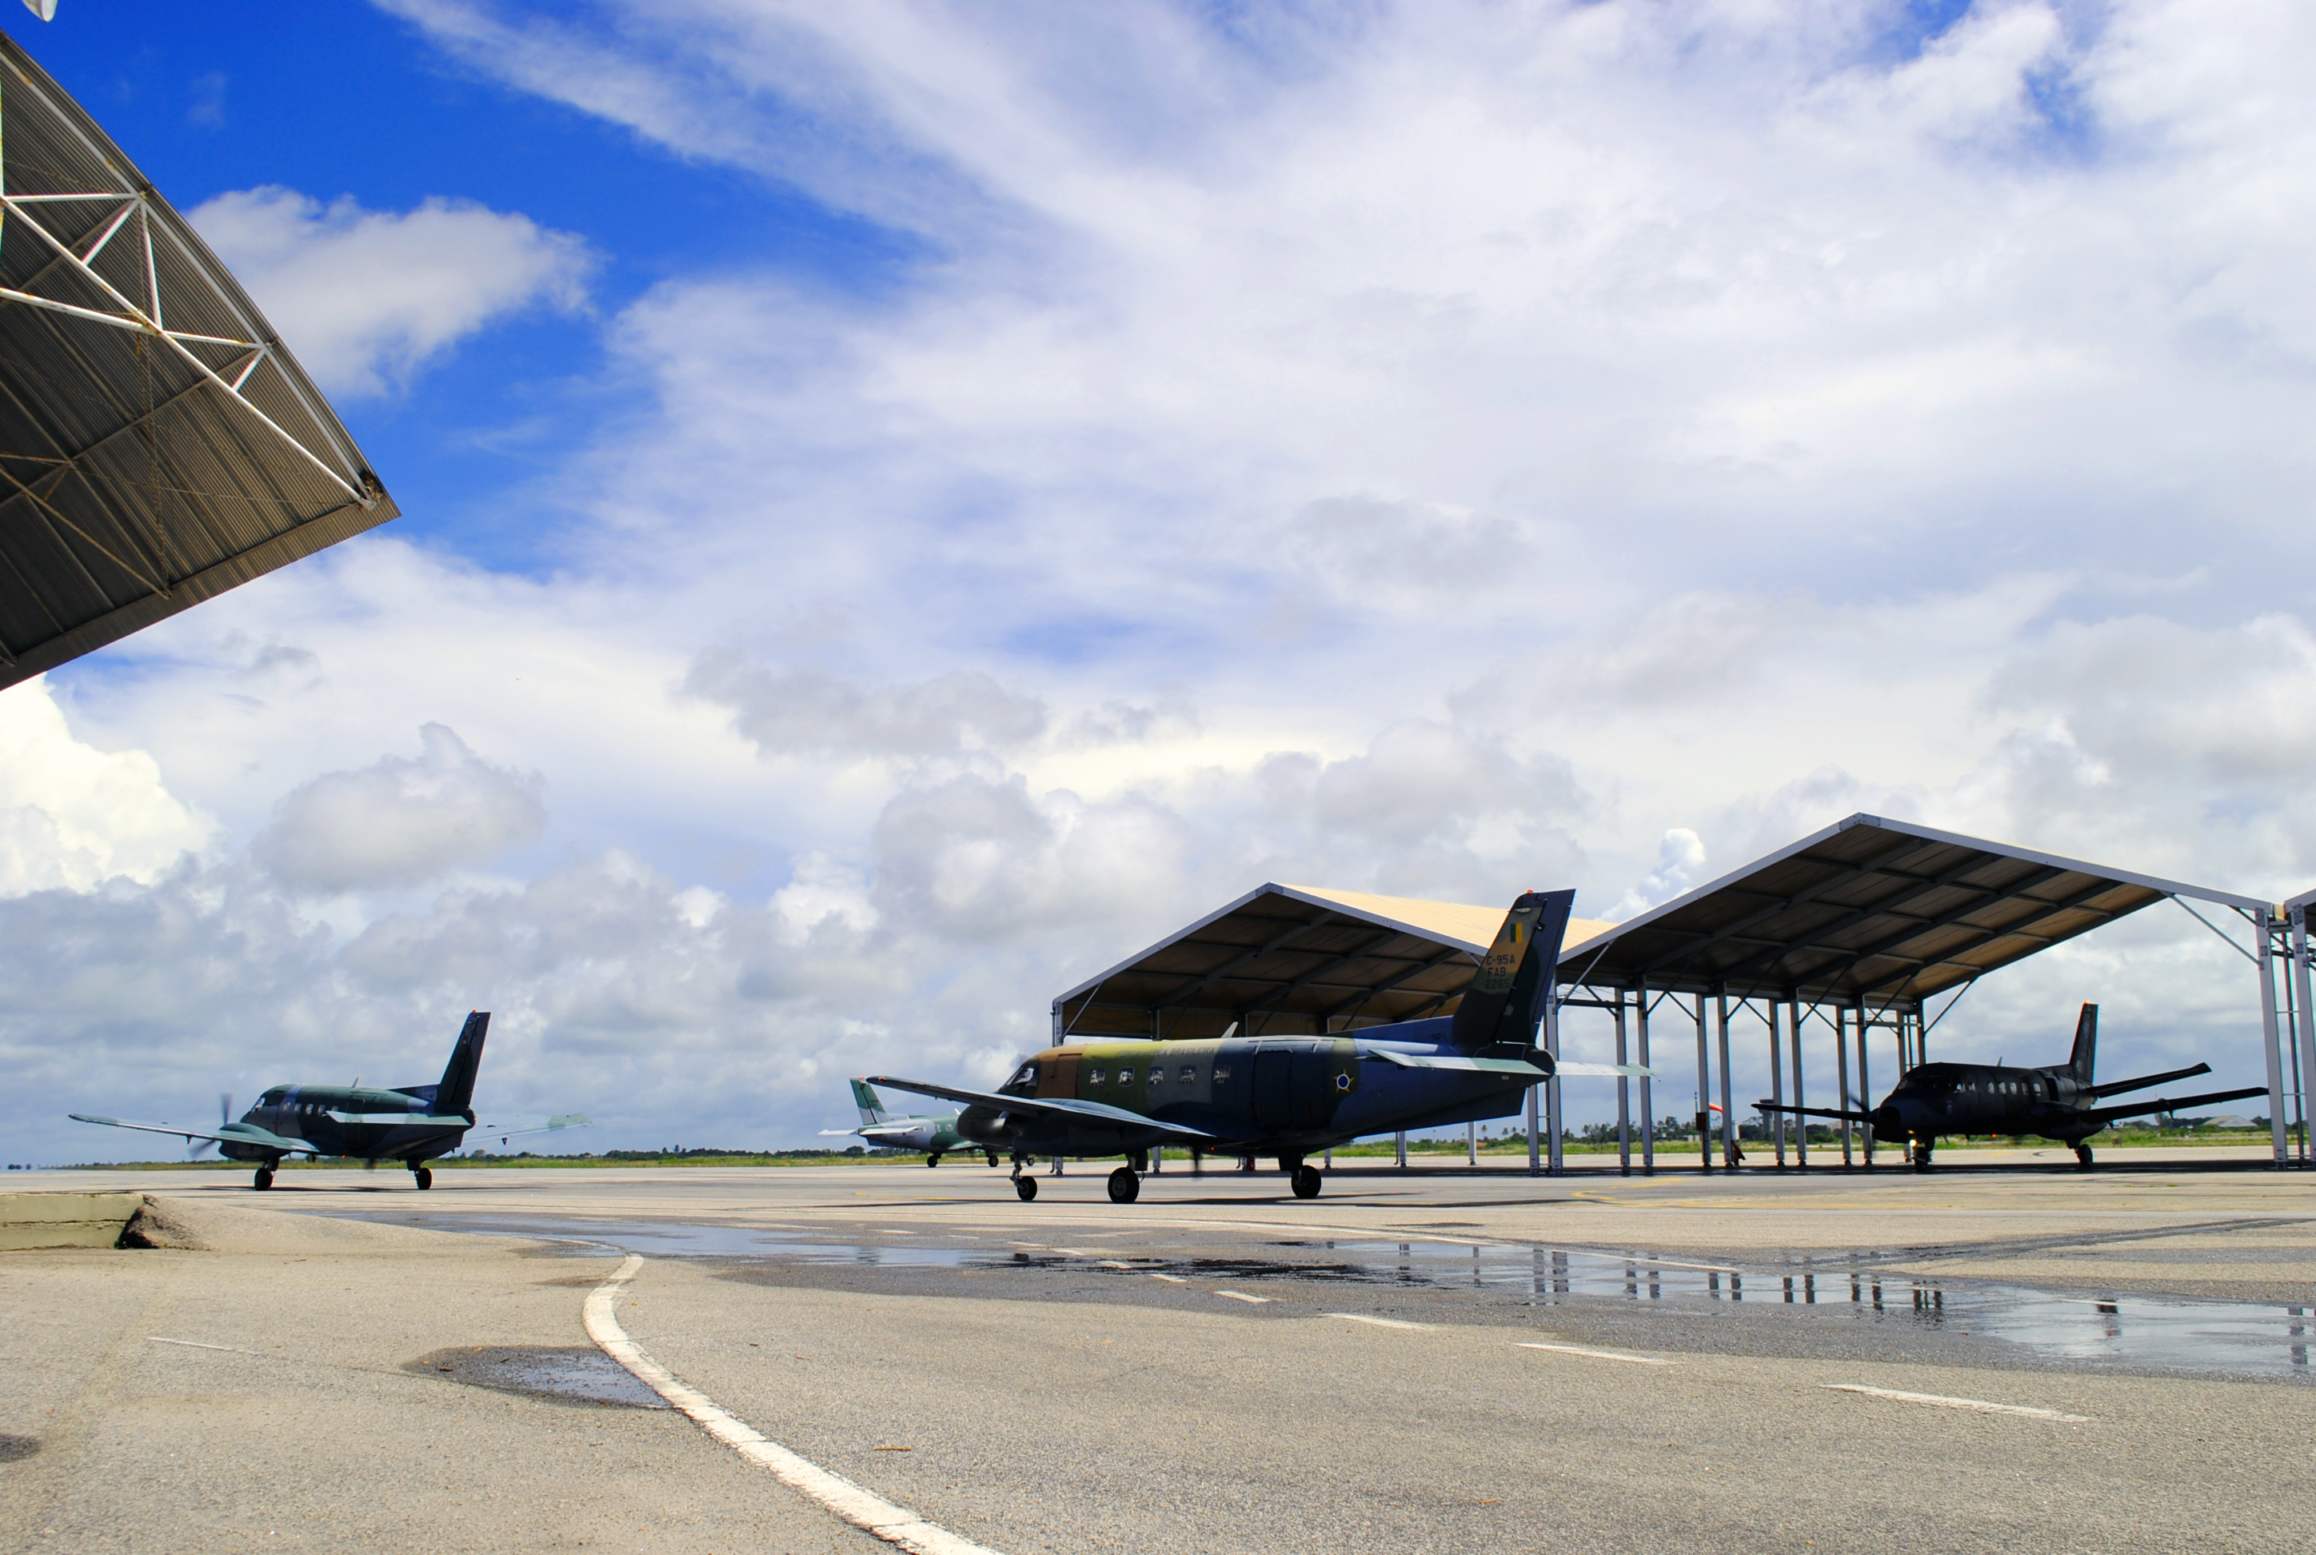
x,y
194,1151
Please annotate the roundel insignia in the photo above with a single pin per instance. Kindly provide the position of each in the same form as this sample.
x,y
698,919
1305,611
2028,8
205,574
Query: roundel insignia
x,y
1342,1080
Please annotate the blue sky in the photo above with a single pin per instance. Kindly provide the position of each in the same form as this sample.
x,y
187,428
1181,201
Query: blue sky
x,y
905,501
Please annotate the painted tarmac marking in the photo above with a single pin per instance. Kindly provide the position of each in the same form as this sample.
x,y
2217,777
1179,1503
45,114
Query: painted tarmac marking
x,y
1379,1322
864,1509
1112,1263
1240,1295
1941,1401
1598,1355
1171,1279
195,1344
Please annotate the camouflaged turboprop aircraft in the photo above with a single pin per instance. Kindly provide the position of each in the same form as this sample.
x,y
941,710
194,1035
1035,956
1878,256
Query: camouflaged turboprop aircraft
x,y
2053,1101
1286,1097
935,1134
408,1123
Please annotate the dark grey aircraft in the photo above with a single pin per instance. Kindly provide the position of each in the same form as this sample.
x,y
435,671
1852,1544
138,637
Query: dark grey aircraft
x,y
408,1123
1285,1097
2055,1101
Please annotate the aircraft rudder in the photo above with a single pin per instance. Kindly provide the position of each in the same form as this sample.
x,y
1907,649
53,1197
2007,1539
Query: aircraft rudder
x,y
455,1092
1505,999
2086,1052
872,1106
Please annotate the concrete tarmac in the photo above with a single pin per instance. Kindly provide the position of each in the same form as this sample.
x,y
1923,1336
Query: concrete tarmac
x,y
1427,1360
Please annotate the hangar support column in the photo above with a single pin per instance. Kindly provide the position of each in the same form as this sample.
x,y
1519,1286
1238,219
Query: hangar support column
x,y
2265,924
1841,1031
1728,1107
1704,1091
1865,1072
1776,1082
1623,1094
1800,1121
2300,981
1554,1121
1647,1097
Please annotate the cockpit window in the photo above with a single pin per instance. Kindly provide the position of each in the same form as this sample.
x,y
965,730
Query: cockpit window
x,y
1024,1080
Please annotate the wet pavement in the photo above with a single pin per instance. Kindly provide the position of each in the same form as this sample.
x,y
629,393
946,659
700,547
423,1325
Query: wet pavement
x,y
1713,1304
563,1374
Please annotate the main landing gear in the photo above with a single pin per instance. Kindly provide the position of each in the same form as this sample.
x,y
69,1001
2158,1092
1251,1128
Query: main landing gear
x,y
1023,1184
1125,1185
264,1179
1922,1149
422,1176
992,1156
1304,1180
2083,1158
932,1160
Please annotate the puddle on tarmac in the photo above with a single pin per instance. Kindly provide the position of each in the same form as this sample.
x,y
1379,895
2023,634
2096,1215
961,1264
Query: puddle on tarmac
x,y
575,1374
13,1448
2240,1338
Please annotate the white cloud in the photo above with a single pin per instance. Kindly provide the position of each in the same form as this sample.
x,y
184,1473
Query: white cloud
x,y
367,298
72,815
401,821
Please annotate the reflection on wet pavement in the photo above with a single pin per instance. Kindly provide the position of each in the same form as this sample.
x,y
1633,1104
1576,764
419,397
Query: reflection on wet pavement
x,y
2239,1338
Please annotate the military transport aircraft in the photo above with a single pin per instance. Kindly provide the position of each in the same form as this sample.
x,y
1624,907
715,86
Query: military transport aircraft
x,y
1286,1097
935,1133
2055,1101
408,1123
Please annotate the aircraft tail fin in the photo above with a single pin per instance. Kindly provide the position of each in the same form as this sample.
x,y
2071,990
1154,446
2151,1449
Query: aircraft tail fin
x,y
1505,1000
872,1106
454,1092
2086,1044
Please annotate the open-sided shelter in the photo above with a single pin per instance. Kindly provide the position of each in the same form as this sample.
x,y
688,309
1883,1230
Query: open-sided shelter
x,y
158,442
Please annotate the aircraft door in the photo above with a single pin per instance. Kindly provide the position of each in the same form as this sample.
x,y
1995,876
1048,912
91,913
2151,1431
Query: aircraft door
x,y
1313,1094
1273,1090
1058,1076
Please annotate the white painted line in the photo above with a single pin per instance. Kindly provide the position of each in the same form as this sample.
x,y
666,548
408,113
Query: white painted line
x,y
1941,1401
1171,1279
864,1509
1240,1295
1074,1252
1112,1263
195,1344
1598,1355
1378,1322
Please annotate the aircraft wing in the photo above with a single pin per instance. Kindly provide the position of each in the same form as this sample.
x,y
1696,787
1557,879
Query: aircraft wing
x,y
2167,1104
1050,1106
243,1134
1607,1071
1815,1112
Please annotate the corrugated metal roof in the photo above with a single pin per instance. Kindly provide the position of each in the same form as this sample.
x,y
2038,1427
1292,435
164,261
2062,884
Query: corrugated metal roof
x,y
1288,959
158,443
1873,908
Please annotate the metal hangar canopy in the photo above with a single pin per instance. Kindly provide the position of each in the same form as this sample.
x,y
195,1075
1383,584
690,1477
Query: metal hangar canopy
x,y
158,443
1874,909
1287,960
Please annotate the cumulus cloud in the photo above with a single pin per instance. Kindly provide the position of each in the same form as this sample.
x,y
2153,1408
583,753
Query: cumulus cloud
x,y
72,815
401,820
809,713
367,298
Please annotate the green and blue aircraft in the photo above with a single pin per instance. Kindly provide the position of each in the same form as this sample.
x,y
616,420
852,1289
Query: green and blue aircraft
x,y
1284,1097
409,1123
934,1133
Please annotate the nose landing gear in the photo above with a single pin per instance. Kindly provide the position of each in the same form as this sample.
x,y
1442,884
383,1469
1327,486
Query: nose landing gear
x,y
1024,1186
2083,1158
264,1178
422,1176
1125,1185
1304,1180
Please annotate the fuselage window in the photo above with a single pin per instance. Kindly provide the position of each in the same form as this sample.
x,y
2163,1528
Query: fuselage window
x,y
1157,1074
1188,1074
1221,1074
1125,1077
1094,1077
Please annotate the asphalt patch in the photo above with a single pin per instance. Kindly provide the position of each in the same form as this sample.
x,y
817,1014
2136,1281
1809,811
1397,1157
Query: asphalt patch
x,y
562,1374
14,1449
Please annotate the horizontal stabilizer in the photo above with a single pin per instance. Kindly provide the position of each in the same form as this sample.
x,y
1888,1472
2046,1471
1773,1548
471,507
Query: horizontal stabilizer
x,y
2168,1104
1067,1108
1608,1071
2118,1087
1511,1066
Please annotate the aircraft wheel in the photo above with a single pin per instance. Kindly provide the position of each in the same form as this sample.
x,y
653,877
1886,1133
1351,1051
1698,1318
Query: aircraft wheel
x,y
1026,1187
423,1176
1125,1186
932,1160
1305,1182
992,1156
2083,1157
1921,1158
264,1178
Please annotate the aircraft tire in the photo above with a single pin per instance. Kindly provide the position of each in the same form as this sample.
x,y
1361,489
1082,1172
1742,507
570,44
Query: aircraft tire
x,y
1305,1182
264,1179
1125,1186
2082,1158
992,1156
932,1160
1921,1158
423,1176
1026,1187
